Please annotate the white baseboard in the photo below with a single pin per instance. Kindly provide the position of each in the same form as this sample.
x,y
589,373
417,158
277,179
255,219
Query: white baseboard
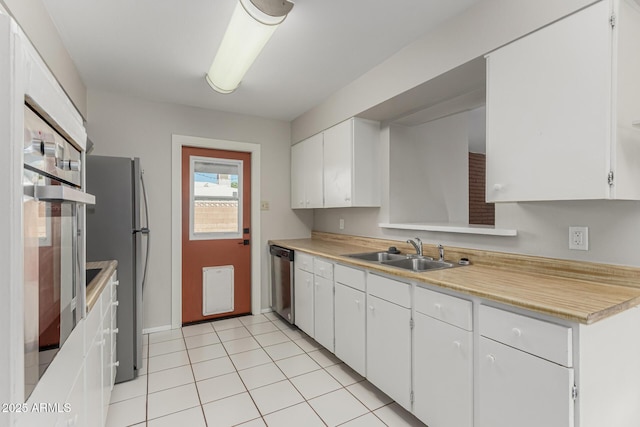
x,y
156,329
266,310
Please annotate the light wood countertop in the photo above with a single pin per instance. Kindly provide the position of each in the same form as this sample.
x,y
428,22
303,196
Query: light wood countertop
x,y
97,285
526,282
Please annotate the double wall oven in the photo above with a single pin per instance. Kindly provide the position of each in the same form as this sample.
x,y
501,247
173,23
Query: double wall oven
x,y
53,218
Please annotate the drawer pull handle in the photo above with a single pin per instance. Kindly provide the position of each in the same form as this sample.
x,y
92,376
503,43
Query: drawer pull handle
x,y
457,345
357,302
438,306
115,330
372,308
491,358
116,364
517,332
116,303
106,331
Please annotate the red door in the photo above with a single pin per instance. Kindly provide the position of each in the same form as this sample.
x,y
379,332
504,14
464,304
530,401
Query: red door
x,y
216,256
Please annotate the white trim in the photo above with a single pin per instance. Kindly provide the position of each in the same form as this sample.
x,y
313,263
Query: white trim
x,y
156,329
177,142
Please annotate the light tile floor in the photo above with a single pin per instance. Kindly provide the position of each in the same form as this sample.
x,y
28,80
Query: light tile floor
x,y
248,371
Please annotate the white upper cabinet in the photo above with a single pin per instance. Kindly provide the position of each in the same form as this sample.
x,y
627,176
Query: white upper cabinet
x,y
351,164
339,167
306,174
561,107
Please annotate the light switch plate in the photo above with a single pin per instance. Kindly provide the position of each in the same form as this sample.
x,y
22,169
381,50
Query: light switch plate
x,y
579,238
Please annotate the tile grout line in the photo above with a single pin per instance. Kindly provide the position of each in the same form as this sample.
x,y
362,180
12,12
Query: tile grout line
x,y
272,360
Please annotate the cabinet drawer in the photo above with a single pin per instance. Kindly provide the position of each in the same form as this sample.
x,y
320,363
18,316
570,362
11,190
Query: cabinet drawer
x,y
543,339
449,309
351,277
389,290
303,261
323,269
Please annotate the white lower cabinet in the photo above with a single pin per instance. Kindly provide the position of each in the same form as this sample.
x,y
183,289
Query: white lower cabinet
x,y
443,373
81,376
520,389
323,312
522,380
303,297
527,369
389,338
350,327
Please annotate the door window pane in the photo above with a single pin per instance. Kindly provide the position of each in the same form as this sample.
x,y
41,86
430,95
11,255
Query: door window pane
x,y
216,198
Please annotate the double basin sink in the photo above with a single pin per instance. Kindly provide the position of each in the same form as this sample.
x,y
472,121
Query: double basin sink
x,y
403,261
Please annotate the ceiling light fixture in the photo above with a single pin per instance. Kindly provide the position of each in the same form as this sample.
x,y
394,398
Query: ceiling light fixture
x,y
251,26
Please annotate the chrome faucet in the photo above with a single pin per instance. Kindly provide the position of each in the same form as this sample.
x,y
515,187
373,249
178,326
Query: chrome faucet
x,y
417,244
441,252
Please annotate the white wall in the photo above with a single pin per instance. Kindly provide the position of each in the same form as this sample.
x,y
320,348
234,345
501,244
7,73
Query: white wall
x,y
38,26
123,126
429,171
480,29
543,229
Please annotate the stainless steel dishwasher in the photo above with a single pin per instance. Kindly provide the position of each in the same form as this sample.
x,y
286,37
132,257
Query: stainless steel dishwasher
x,y
282,282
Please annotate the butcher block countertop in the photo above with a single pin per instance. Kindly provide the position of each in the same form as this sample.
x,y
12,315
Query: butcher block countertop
x,y
95,288
576,291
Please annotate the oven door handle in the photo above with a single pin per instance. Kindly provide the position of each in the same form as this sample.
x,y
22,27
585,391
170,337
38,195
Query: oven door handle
x,y
61,193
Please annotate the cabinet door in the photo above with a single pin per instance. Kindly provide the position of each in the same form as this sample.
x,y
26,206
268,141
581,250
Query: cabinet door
x,y
519,389
443,373
306,173
338,165
93,372
303,299
314,172
350,329
323,312
297,176
549,112
389,349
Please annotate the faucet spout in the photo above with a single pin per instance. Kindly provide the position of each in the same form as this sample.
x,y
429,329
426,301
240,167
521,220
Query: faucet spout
x,y
441,252
417,244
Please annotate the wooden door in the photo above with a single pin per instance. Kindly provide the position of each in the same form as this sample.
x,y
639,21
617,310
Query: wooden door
x,y
216,207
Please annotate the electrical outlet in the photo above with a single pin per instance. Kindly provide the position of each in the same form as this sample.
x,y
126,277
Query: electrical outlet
x,y
341,224
579,238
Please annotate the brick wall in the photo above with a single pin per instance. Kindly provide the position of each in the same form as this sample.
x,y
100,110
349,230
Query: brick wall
x,y
215,216
479,212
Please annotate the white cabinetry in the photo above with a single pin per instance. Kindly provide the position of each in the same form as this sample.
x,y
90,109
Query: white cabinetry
x,y
338,167
323,303
443,360
81,375
561,103
389,337
526,378
350,317
306,173
303,292
351,164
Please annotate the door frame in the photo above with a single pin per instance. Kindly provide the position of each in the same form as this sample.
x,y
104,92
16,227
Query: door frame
x,y
177,142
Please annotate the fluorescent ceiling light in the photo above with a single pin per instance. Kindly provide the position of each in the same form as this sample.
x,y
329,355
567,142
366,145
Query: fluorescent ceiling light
x,y
251,26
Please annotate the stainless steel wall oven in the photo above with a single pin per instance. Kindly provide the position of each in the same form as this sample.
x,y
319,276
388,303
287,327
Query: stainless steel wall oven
x,y
54,265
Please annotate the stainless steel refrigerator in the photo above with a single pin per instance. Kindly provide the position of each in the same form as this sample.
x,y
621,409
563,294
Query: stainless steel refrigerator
x,y
115,231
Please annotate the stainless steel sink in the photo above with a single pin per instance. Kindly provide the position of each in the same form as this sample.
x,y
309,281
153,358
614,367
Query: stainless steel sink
x,y
418,264
378,256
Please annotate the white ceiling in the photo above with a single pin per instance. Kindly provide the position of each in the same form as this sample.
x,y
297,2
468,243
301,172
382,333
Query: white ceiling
x,y
161,49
